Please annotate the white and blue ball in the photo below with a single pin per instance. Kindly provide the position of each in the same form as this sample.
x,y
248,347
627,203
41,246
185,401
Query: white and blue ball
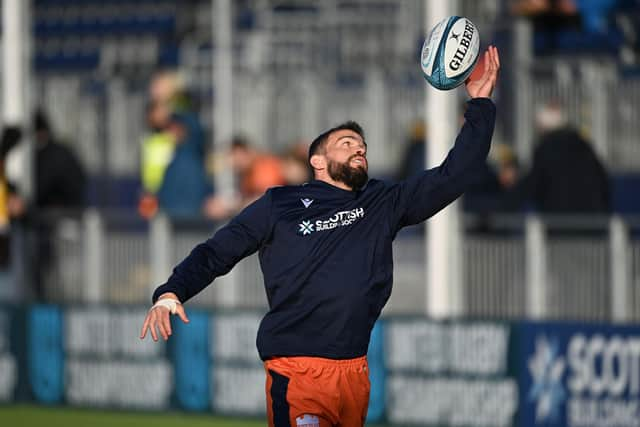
x,y
450,52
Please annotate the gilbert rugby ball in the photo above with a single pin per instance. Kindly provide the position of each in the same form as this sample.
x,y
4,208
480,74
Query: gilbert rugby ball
x,y
450,52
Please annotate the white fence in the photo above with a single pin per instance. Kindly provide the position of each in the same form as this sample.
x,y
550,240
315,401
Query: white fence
x,y
569,271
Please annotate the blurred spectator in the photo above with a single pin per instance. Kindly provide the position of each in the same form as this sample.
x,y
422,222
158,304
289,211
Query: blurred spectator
x,y
628,20
295,166
572,26
174,151
157,148
413,159
497,191
59,191
549,19
507,165
566,174
10,137
169,88
255,172
549,8
157,151
60,179
185,185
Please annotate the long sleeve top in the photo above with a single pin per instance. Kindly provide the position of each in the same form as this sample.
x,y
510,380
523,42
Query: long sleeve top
x,y
326,253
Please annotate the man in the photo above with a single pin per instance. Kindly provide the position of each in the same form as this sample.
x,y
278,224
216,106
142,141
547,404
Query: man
x,y
566,175
59,192
326,255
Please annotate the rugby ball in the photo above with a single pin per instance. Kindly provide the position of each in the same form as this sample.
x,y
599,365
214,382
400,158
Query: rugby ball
x,y
450,52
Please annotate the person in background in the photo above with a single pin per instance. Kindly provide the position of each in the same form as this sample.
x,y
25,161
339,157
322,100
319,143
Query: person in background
x,y
157,151
255,172
60,185
566,175
172,121
550,19
10,137
295,168
414,158
60,178
185,185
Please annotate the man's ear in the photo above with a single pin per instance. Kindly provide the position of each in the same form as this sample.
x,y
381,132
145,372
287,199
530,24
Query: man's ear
x,y
318,162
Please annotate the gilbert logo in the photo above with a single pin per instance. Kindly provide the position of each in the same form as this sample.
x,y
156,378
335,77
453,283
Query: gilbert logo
x,y
307,421
463,45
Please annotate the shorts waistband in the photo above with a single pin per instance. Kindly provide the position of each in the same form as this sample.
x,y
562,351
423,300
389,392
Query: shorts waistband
x,y
322,360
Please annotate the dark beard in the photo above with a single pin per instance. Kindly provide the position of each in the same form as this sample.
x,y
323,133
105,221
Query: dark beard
x,y
355,178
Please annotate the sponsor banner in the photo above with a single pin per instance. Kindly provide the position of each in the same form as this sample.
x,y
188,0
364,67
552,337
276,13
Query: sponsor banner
x,y
108,332
239,390
451,401
191,361
377,374
454,373
579,375
45,358
5,331
420,345
233,338
237,376
123,384
107,365
8,377
8,362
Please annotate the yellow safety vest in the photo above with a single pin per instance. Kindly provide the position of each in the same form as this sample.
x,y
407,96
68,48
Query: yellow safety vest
x,y
157,152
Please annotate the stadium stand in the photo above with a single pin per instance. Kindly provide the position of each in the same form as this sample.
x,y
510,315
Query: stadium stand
x,y
94,60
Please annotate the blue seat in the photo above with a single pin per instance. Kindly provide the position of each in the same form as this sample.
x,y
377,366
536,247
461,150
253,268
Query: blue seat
x,y
624,193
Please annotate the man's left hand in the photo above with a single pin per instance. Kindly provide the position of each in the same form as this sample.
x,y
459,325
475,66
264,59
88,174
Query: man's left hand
x,y
483,86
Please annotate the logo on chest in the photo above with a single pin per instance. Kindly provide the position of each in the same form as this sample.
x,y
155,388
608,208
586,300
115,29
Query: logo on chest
x,y
339,219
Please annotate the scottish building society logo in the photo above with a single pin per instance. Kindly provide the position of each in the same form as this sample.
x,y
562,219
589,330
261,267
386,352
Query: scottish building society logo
x,y
339,219
546,367
306,227
593,380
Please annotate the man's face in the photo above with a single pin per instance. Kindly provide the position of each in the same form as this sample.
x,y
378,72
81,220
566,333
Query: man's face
x,y
346,154
240,159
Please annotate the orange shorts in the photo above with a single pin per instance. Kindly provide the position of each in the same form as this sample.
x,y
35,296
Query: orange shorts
x,y
317,392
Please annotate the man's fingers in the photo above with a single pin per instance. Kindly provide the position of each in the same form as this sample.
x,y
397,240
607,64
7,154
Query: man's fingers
x,y
494,63
166,323
182,314
161,316
158,321
145,326
487,66
152,328
162,330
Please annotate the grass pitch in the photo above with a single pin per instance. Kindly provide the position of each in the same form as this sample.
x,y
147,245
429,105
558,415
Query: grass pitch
x,y
40,416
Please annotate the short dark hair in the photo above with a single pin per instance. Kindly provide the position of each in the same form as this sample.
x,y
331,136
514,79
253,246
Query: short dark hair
x,y
320,142
240,142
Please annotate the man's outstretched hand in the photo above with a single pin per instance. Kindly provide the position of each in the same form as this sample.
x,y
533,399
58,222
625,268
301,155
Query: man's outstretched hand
x,y
158,317
482,87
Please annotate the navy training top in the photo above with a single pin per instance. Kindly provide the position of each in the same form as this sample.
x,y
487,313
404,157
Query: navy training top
x,y
326,253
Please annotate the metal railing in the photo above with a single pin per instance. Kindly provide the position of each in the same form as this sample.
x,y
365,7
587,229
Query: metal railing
x,y
576,268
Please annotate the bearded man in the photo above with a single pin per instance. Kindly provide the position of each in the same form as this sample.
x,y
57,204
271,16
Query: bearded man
x,y
325,250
